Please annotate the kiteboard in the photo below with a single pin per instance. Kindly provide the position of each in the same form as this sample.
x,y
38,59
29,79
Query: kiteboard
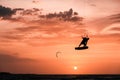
x,y
81,48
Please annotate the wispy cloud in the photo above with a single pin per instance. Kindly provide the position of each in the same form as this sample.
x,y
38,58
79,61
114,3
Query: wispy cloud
x,y
105,24
6,58
40,33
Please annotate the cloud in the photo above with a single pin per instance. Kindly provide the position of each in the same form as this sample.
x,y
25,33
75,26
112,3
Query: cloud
x,y
20,14
43,33
17,14
41,27
35,1
11,36
49,27
5,58
93,5
66,16
116,28
6,12
18,9
105,24
33,11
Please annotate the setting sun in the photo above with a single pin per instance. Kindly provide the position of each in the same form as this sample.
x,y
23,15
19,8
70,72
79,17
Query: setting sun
x,y
75,68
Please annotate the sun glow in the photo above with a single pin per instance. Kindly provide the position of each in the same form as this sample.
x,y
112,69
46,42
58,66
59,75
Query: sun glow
x,y
75,67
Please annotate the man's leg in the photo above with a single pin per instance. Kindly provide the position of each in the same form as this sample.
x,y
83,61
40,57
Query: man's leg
x,y
80,44
84,44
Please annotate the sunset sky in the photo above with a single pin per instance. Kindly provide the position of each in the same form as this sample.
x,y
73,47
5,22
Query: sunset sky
x,y
33,31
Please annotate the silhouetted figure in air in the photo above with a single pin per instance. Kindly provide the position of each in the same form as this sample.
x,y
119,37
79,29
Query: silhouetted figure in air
x,y
84,41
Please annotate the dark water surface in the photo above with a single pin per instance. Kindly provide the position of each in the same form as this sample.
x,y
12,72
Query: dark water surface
x,y
9,76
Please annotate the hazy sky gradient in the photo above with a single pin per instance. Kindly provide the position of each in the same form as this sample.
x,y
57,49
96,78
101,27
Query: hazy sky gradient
x,y
33,31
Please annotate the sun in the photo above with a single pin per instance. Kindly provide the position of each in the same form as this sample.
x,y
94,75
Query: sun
x,y
75,67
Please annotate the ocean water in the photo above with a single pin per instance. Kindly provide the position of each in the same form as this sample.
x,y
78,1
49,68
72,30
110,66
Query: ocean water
x,y
9,76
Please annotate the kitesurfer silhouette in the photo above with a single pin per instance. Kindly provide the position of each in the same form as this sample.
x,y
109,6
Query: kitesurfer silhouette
x,y
84,41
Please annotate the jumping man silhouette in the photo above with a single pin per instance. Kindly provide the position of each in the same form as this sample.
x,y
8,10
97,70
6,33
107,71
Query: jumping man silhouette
x,y
84,41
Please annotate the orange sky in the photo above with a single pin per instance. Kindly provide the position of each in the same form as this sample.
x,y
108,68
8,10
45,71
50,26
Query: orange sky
x,y
32,33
